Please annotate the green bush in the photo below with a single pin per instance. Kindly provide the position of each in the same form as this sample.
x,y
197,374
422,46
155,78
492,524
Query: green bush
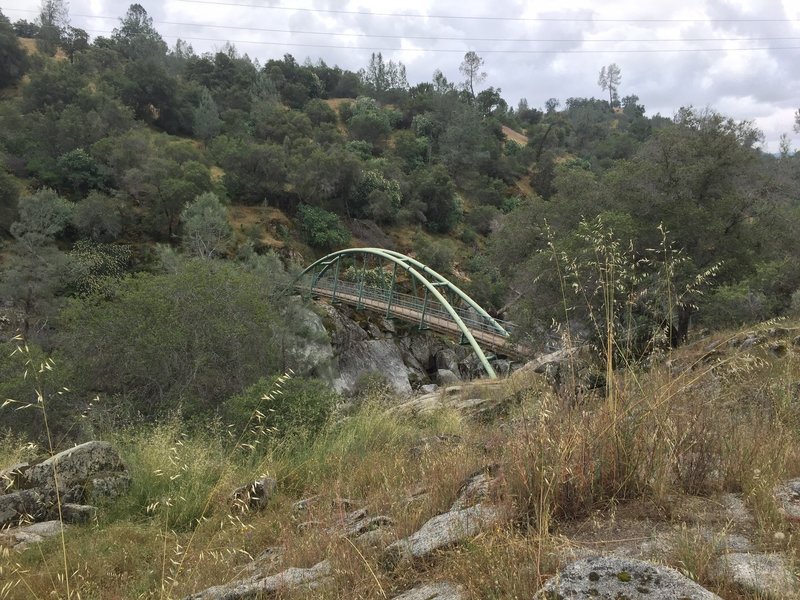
x,y
321,229
293,405
187,339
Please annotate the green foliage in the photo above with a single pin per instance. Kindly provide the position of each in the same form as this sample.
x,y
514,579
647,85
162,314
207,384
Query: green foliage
x,y
136,38
272,122
99,217
29,385
482,218
172,473
13,60
319,112
58,85
32,278
9,195
438,255
254,173
206,230
96,267
191,338
294,406
376,196
43,216
321,229
77,173
436,192
369,123
206,124
412,149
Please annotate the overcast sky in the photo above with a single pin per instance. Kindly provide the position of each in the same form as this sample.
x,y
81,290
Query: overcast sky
x,y
740,57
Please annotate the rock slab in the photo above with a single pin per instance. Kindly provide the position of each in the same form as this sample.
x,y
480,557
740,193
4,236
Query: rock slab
x,y
262,587
768,575
442,531
433,591
615,578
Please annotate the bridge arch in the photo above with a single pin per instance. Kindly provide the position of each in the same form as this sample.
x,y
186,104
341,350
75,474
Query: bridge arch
x,y
312,280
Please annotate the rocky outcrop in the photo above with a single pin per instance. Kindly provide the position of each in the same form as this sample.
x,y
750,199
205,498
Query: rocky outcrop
x,y
433,591
766,575
470,514
259,586
367,343
76,477
372,356
472,401
309,348
19,538
442,531
613,578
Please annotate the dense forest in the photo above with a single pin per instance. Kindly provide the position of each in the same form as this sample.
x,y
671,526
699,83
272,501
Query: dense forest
x,y
155,203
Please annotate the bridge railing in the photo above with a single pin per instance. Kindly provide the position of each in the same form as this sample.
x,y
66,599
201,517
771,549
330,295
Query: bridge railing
x,y
392,298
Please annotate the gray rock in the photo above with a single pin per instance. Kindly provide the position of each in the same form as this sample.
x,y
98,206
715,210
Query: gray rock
x,y
74,467
377,538
446,377
253,496
476,489
768,575
388,325
423,348
614,578
366,525
77,513
259,586
372,356
305,504
20,538
442,531
502,367
374,331
787,495
309,350
108,488
20,507
736,510
428,388
10,477
446,360
751,342
433,591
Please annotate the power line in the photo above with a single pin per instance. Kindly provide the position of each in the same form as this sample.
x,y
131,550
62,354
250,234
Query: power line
x,y
460,50
474,17
482,18
438,38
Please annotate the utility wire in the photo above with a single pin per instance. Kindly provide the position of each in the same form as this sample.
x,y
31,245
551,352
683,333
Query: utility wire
x,y
461,50
435,37
481,18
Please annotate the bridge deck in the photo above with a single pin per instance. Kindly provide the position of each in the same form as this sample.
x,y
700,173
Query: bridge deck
x,y
409,308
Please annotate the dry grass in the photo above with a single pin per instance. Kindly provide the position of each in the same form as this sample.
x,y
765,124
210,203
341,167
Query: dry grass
x,y
574,478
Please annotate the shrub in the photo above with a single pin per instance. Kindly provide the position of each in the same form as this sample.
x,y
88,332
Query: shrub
x,y
99,217
45,214
321,229
190,338
294,405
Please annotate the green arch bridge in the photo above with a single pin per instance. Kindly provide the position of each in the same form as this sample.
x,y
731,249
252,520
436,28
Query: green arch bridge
x,y
398,286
